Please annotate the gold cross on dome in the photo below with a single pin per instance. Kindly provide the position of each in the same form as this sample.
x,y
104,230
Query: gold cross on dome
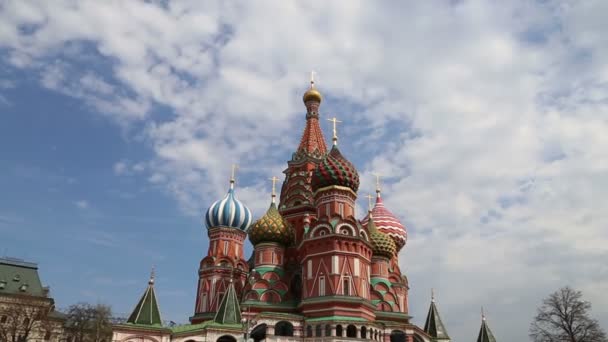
x,y
369,201
335,122
233,172
377,175
274,180
312,78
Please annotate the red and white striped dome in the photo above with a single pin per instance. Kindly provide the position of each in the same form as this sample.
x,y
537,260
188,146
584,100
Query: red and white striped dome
x,y
387,223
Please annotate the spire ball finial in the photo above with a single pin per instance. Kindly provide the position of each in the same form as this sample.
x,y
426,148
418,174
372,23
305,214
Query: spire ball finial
x,y
433,295
312,94
483,315
152,274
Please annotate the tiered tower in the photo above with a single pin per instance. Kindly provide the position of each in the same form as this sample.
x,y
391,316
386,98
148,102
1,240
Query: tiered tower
x,y
226,221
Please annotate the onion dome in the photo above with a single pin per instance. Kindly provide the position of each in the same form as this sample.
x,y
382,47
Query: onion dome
x,y
382,244
334,169
312,94
228,212
271,228
387,222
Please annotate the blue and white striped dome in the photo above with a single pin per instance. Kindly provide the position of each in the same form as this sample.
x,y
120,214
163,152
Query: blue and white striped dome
x,y
229,212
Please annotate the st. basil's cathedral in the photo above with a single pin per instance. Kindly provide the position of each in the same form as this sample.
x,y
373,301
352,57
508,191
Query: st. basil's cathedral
x,y
317,273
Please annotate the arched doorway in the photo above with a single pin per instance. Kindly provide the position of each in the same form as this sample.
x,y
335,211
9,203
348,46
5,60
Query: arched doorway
x,y
363,332
339,330
259,332
398,336
226,338
283,328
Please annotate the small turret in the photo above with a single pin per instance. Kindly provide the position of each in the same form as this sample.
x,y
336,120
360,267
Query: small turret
x,y
485,334
433,325
146,311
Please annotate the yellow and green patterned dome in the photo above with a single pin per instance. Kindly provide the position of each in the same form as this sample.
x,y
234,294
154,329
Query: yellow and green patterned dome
x,y
382,244
271,228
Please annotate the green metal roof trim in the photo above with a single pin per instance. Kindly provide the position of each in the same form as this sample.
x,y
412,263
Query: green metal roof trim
x,y
201,326
376,280
337,318
229,311
20,277
485,334
146,311
142,327
265,269
433,325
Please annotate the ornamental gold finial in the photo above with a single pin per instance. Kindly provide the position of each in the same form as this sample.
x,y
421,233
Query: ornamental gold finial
x,y
274,180
335,122
312,78
233,174
433,295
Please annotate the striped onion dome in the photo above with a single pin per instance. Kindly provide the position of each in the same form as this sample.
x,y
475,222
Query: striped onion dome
x,y
382,244
387,223
228,212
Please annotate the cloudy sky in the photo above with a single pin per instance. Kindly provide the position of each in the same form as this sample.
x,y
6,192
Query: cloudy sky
x,y
488,119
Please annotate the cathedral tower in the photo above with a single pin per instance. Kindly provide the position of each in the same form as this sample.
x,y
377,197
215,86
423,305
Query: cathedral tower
x,y
226,221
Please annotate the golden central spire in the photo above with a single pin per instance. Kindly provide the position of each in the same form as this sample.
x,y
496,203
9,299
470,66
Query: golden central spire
x,y
335,137
312,94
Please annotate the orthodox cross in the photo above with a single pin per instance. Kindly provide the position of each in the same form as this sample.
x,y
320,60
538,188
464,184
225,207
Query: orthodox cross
x,y
233,172
312,78
483,316
377,175
432,295
274,180
369,201
335,121
151,276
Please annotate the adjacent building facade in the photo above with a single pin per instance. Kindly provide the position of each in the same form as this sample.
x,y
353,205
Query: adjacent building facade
x,y
317,271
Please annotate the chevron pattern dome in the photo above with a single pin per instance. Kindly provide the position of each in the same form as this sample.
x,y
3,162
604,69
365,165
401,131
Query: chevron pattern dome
x,y
387,223
271,228
228,212
334,169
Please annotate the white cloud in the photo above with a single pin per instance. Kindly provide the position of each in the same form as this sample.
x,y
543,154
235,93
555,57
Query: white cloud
x,y
487,119
82,204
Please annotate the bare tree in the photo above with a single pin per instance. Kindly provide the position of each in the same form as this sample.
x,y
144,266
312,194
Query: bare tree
x,y
18,321
564,317
89,323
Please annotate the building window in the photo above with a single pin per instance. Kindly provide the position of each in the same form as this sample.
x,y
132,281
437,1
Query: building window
x,y
309,274
346,286
236,250
341,209
327,206
204,303
274,258
214,247
357,267
321,286
309,331
318,331
327,330
339,330
225,247
334,264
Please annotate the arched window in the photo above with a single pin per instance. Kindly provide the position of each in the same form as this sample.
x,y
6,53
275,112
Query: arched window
x,y
283,328
226,338
351,331
398,336
327,330
309,331
339,330
363,332
318,331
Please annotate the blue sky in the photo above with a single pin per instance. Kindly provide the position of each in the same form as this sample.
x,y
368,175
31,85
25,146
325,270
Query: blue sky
x,y
120,121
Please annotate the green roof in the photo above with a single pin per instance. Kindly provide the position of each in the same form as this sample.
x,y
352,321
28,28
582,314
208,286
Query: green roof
x,y
229,311
146,311
485,334
336,318
20,277
434,326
